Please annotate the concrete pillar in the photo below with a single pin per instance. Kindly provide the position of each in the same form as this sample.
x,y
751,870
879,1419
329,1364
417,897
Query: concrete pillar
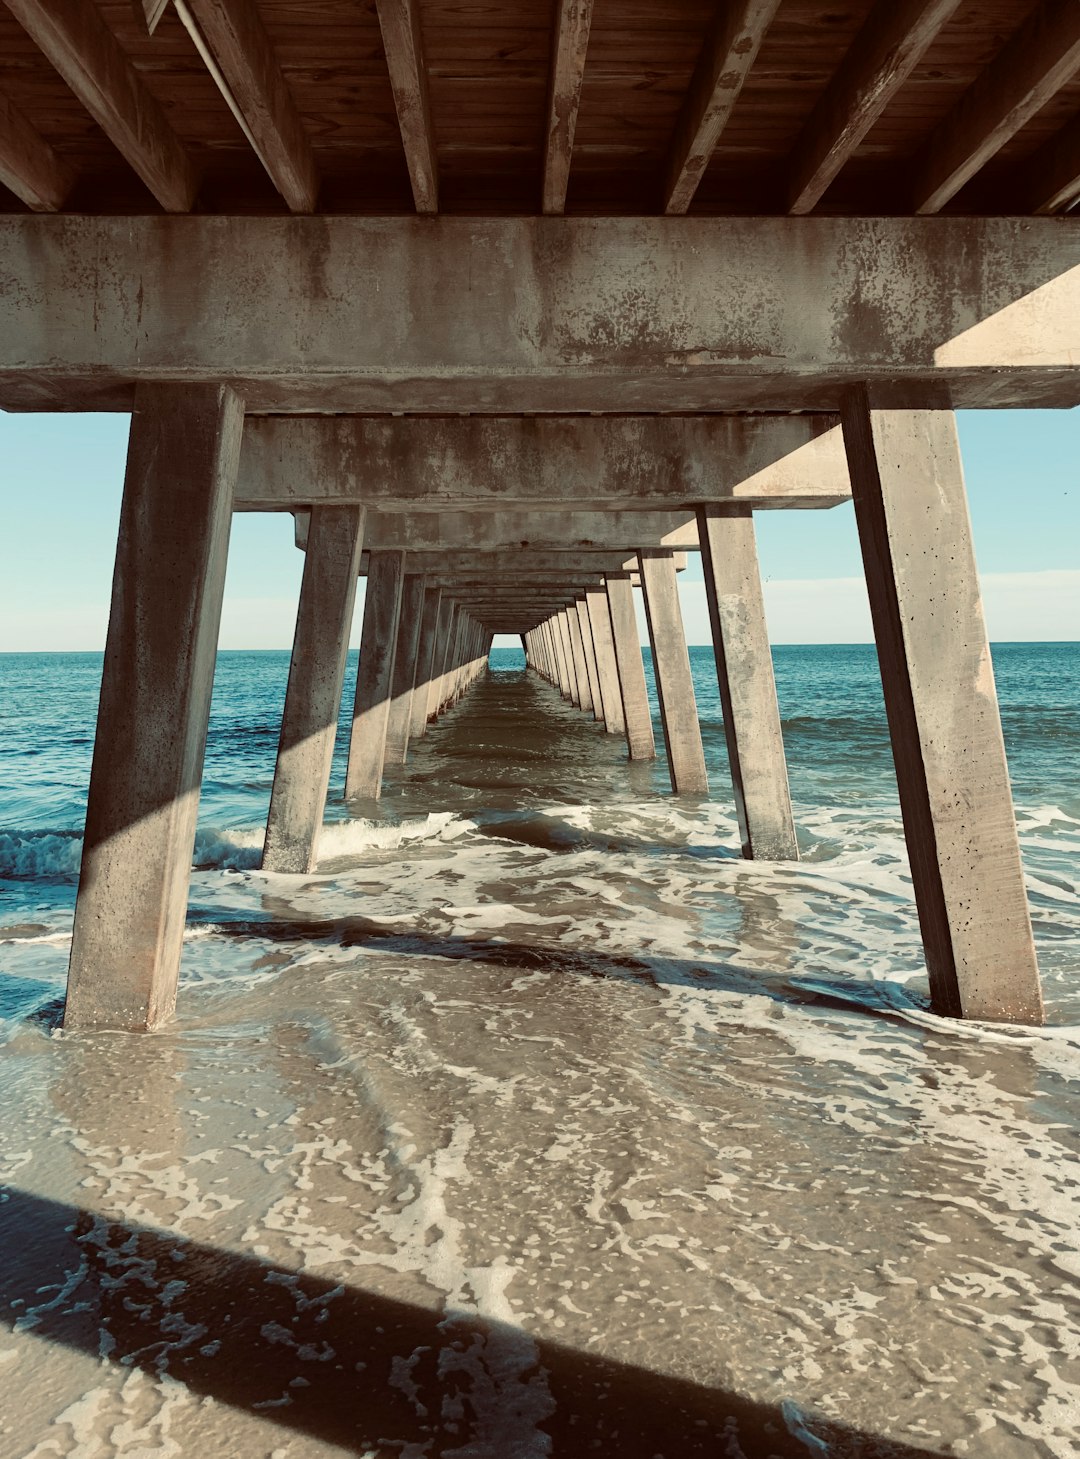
x,y
569,661
744,669
559,643
313,697
577,649
671,665
447,619
585,629
399,719
155,703
637,713
425,659
374,676
607,670
911,511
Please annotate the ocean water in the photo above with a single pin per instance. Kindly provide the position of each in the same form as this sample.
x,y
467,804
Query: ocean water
x,y
536,1121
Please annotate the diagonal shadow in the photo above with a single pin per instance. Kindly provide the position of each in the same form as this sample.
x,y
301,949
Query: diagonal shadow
x,y
362,1371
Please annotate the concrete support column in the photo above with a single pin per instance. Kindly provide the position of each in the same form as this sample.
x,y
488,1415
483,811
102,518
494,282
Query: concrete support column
x,y
585,629
637,714
577,648
941,701
313,697
569,662
399,719
744,669
158,672
671,665
374,676
425,660
447,621
607,670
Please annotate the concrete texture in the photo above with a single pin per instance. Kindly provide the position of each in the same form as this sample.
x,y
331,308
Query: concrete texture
x,y
155,702
374,677
607,668
399,719
425,658
545,314
744,669
313,696
674,682
637,715
585,629
912,515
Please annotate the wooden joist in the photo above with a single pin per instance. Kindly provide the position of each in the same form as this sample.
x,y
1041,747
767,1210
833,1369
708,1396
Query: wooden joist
x,y
399,21
571,42
28,165
232,38
724,64
1042,55
75,39
884,54
1053,174
153,10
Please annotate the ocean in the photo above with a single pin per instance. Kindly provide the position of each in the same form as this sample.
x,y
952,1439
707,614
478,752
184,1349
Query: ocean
x,y
536,1121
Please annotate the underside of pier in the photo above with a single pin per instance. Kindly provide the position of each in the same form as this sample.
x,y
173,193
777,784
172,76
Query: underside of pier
x,y
513,307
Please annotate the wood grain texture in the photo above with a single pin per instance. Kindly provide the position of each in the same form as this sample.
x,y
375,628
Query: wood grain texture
x,y
28,165
400,23
571,44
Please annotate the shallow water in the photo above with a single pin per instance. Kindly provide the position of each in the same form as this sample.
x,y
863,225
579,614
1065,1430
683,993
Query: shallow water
x,y
537,1121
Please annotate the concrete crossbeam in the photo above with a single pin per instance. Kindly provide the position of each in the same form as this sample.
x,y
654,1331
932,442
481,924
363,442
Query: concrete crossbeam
x,y
546,315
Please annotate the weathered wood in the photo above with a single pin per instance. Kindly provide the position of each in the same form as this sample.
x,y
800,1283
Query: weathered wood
x,y
399,720
744,669
250,77
76,40
637,713
911,511
425,661
674,680
374,677
28,165
399,21
608,314
155,705
1052,176
723,66
313,696
571,43
1042,55
607,670
884,54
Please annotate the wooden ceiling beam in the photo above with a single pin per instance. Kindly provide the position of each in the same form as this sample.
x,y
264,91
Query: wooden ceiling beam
x,y
1026,73
881,58
75,39
571,42
399,21
1052,176
28,164
724,64
152,11
233,40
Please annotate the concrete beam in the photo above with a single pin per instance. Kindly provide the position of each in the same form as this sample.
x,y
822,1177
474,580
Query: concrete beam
x,y
545,314
516,532
636,462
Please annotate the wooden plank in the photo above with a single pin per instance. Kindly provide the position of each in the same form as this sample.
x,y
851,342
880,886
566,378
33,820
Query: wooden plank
x,y
879,62
233,40
1042,55
1053,174
572,22
723,66
152,11
400,24
28,165
78,43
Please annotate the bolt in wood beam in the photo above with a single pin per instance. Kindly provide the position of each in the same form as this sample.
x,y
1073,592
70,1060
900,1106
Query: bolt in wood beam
x,y
571,43
879,61
74,38
28,164
399,21
1025,74
723,65
231,36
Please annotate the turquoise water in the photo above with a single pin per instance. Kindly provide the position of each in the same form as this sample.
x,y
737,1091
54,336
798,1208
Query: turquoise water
x,y
536,1121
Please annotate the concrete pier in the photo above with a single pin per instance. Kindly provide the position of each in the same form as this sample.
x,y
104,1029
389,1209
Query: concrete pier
x,y
607,668
744,669
374,677
912,515
674,682
425,659
581,607
313,696
143,800
577,649
399,718
637,713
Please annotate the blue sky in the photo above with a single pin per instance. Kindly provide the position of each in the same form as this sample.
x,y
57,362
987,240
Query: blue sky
x,y
61,479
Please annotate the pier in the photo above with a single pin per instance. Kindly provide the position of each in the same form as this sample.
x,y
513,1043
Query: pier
x,y
512,368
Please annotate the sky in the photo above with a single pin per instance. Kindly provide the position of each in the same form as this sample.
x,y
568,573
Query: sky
x,y
61,478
